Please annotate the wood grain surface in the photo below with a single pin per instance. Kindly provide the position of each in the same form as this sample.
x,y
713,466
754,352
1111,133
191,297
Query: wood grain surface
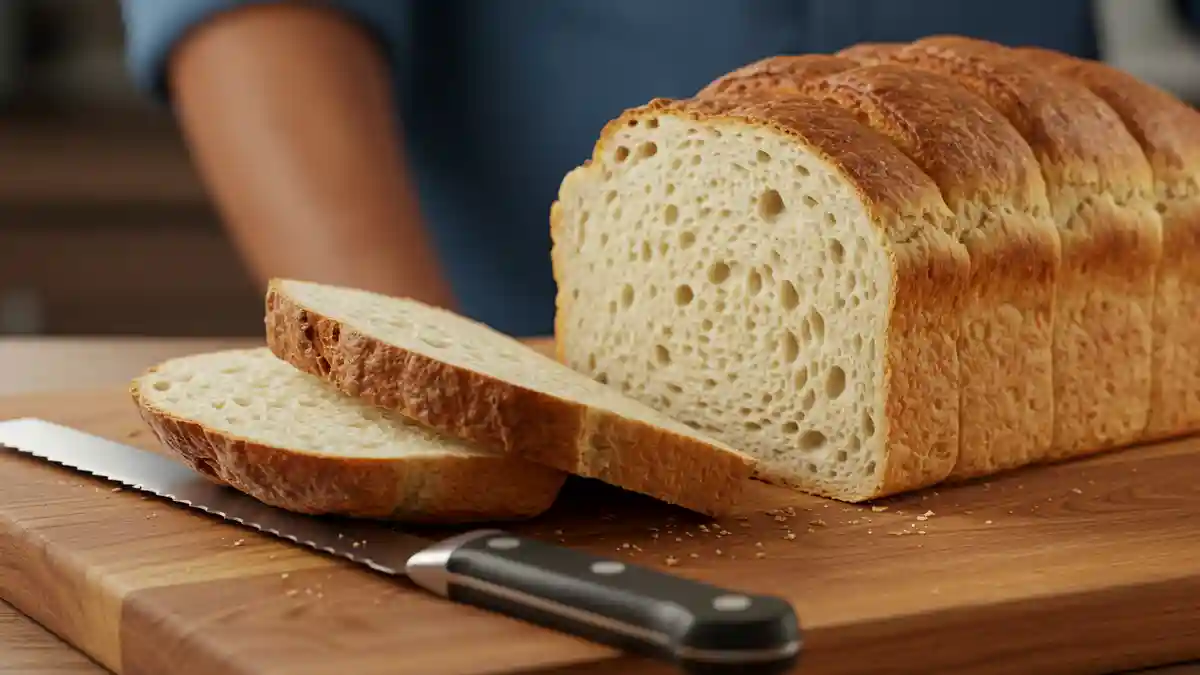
x,y
1078,568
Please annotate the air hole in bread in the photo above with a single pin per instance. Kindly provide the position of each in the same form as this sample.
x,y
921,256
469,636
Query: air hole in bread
x,y
710,383
218,405
662,355
648,149
162,385
696,159
801,378
754,282
836,251
830,219
869,469
674,388
817,321
232,370
670,214
752,426
241,400
621,154
812,440
788,297
835,382
684,295
762,156
770,205
791,347
706,325
811,201
718,272
626,295
791,427
809,400
868,424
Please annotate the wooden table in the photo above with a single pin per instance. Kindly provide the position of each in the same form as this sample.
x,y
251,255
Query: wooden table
x,y
28,365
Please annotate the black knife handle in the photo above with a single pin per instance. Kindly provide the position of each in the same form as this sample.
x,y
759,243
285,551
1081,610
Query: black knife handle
x,y
699,627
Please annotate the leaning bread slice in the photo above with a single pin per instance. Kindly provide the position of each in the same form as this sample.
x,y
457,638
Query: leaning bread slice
x,y
777,274
1100,189
245,418
1169,132
469,381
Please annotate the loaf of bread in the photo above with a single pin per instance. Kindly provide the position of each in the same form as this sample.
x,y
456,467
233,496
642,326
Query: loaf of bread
x,y
776,274
1169,133
719,258
247,419
1101,193
467,381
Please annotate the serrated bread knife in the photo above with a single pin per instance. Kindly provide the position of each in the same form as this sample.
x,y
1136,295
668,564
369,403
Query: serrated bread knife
x,y
696,626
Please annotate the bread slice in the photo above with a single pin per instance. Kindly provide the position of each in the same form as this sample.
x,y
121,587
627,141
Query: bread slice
x,y
775,274
471,382
1169,133
244,418
990,178
1100,189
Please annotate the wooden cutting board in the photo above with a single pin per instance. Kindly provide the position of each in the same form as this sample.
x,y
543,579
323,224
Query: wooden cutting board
x,y
1087,567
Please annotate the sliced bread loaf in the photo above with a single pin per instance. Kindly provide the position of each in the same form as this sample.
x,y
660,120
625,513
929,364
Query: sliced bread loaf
x,y
1169,133
468,381
245,418
1100,189
775,274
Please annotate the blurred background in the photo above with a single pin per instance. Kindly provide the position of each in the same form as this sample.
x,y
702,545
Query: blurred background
x,y
105,228
104,225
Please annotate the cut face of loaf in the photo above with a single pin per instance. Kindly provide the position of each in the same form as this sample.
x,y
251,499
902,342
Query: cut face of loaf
x,y
1169,133
1099,186
244,418
468,381
775,274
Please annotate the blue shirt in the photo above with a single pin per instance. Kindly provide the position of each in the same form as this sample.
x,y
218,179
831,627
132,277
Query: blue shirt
x,y
498,99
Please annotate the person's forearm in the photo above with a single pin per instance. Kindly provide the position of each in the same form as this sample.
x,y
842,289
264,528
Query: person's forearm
x,y
289,116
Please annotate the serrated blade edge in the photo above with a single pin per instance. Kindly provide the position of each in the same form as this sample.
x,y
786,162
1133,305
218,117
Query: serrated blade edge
x,y
368,543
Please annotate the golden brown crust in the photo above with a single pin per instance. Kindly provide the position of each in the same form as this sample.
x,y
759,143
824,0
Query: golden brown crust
x,y
1077,138
1169,132
504,417
990,178
930,268
774,76
1167,129
1100,190
441,489
870,53
970,150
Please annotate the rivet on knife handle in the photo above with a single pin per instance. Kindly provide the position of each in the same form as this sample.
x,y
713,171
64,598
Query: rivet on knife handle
x,y
702,628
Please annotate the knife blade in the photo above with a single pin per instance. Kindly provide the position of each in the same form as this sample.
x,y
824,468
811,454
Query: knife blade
x,y
700,628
